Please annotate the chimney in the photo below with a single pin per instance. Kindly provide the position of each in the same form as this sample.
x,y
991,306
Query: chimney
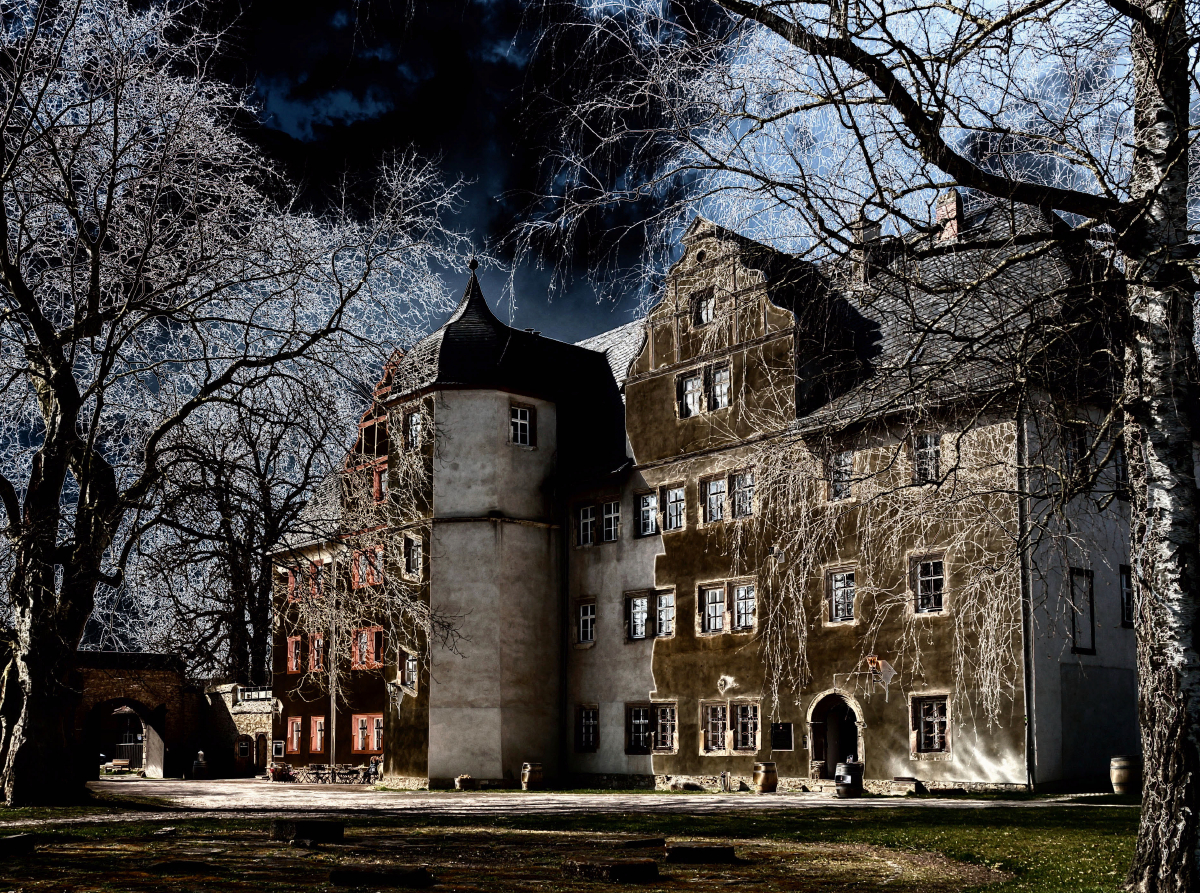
x,y
865,233
866,230
949,215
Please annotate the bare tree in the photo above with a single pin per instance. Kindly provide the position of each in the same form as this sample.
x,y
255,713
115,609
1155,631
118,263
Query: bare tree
x,y
151,267
795,121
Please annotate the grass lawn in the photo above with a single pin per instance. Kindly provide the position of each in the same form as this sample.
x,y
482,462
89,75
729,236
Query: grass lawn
x,y
904,849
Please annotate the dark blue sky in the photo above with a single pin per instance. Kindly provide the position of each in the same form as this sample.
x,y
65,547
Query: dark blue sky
x,y
343,83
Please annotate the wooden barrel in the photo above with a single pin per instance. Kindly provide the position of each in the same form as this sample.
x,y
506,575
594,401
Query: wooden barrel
x,y
849,779
766,778
1125,772
531,776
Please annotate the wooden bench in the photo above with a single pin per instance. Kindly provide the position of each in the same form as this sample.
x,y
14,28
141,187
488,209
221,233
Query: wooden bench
x,y
116,766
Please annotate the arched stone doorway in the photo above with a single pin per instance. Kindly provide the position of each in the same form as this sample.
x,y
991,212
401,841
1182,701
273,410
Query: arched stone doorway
x,y
834,732
123,728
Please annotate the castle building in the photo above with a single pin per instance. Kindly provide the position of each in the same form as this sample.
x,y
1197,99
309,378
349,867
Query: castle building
x,y
786,517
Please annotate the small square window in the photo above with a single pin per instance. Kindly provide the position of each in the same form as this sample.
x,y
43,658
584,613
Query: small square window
x,y
743,494
639,730
930,585
712,604
745,736
715,726
664,727
277,749
523,425
714,500
841,596
587,525
1127,611
612,522
927,458
719,388
586,628
743,606
691,395
676,503
647,505
665,617
587,729
930,724
841,475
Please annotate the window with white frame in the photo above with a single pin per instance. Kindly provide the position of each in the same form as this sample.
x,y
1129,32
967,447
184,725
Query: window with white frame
x,y
691,395
927,458
377,734
664,727
743,494
412,556
715,725
639,731
665,619
714,499
745,732
587,525
743,606
841,475
586,628
521,424
647,505
412,430
929,723
316,741
930,582
1126,596
409,670
676,505
712,603
587,729
612,522
639,612
841,595
295,733
719,390
1083,617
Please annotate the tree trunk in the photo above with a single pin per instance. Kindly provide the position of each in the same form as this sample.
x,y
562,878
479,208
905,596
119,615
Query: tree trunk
x,y
1161,392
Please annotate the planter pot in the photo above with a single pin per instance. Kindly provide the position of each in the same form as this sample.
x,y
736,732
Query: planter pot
x,y
1125,772
466,783
531,776
766,778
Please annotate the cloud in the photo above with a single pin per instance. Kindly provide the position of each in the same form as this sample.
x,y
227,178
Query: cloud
x,y
298,117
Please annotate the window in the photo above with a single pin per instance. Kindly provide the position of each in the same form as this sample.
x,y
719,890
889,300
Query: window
x,y
927,458
1126,596
929,723
316,578
691,395
294,727
714,499
665,621
745,734
841,473
612,522
366,567
639,734
718,393
712,604
381,483
587,525
587,623
782,737
316,734
743,494
1083,618
367,729
704,305
647,506
841,596
367,648
412,430
930,574
587,729
1121,472
715,723
639,610
675,508
664,726
412,556
291,596
1076,444
743,606
293,654
316,653
277,749
523,425
410,670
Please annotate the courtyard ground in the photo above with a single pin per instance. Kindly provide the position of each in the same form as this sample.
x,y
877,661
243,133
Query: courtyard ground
x,y
214,836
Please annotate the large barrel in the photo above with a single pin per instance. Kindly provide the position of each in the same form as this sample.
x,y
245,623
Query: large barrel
x,y
766,778
531,776
1125,772
849,779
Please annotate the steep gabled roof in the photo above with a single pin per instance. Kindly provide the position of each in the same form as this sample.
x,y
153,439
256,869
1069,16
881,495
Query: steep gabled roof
x,y
620,347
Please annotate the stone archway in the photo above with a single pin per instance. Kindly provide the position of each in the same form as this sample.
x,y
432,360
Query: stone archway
x,y
835,732
99,727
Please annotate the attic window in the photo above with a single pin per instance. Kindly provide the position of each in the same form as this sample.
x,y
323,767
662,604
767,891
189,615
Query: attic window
x,y
704,305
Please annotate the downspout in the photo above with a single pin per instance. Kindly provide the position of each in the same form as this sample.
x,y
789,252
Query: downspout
x,y
1026,559
565,721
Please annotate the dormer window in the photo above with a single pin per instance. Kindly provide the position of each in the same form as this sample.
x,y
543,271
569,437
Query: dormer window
x,y
704,305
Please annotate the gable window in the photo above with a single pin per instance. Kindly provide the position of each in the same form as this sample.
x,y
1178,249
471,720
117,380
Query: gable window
x,y
929,723
639,737
691,395
665,619
612,522
676,502
412,556
743,606
295,731
647,506
745,735
715,724
1126,596
714,499
841,473
409,670
782,737
704,305
1083,618
412,430
368,732
381,483
293,654
664,727
586,627
639,610
587,525
587,729
712,605
718,392
930,583
316,734
743,494
523,420
927,458
367,648
841,596
316,653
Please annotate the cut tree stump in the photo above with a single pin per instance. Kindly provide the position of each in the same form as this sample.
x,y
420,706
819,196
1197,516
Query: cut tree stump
x,y
620,871
314,830
701,854
394,876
